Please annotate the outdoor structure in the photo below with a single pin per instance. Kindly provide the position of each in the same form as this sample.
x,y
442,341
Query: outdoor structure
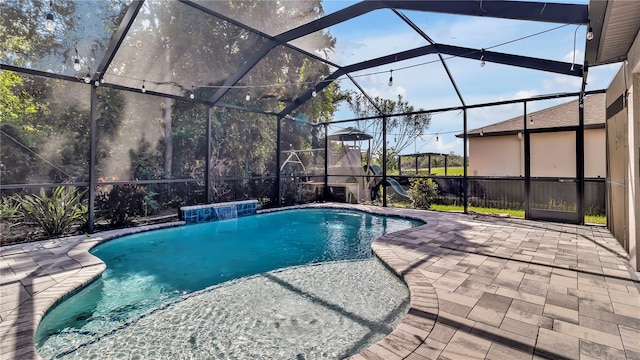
x,y
498,149
148,106
186,128
345,170
623,129
416,159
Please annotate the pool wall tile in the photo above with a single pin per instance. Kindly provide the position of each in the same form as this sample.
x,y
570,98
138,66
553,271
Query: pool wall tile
x,y
220,211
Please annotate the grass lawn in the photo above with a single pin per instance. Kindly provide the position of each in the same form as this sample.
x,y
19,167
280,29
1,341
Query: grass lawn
x,y
451,171
589,219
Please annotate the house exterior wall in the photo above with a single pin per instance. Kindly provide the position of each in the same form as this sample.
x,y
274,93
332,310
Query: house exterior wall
x,y
623,155
552,155
595,153
495,156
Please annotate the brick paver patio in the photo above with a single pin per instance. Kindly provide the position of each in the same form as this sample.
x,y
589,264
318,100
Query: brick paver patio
x,y
481,288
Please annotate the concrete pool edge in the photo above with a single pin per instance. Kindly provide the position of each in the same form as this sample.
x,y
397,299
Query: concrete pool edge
x,y
67,274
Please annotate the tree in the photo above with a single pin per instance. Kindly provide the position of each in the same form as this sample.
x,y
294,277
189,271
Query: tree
x,y
402,129
188,51
171,48
45,122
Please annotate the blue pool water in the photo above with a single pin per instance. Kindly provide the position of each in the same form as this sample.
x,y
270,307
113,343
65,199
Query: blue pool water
x,y
149,269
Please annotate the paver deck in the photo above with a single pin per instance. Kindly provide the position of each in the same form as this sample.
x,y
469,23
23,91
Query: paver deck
x,y
481,287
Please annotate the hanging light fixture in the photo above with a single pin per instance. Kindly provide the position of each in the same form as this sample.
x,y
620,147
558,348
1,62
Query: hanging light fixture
x,y
248,97
49,23
77,66
590,33
391,78
142,88
87,78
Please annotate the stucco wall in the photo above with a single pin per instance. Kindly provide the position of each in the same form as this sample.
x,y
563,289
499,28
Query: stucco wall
x,y
595,154
496,156
552,155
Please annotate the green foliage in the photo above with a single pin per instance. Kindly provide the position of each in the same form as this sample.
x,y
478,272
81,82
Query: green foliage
x,y
140,136
559,205
422,193
56,213
151,205
9,209
145,162
595,219
121,203
173,203
595,211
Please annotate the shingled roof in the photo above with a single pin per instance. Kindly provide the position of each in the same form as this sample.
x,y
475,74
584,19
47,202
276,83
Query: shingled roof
x,y
562,115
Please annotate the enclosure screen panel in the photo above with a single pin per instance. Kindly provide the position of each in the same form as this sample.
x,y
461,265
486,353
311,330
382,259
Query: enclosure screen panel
x,y
44,130
26,41
176,49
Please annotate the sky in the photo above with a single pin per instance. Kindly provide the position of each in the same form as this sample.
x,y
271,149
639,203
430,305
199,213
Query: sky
x,y
424,83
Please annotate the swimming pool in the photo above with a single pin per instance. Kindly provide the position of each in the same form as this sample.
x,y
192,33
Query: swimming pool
x,y
147,271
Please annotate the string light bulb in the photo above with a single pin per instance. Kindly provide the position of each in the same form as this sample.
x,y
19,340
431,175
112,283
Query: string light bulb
x,y
248,97
590,33
87,79
49,23
482,63
481,132
192,95
314,93
143,89
391,78
76,64
437,138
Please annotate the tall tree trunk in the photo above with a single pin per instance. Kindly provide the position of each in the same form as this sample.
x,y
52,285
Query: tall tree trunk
x,y
168,114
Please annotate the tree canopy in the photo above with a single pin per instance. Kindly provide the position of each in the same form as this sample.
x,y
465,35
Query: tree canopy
x,y
405,128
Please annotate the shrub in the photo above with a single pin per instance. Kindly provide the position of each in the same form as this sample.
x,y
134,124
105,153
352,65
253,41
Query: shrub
x,y
422,193
9,214
121,204
151,205
9,209
55,214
